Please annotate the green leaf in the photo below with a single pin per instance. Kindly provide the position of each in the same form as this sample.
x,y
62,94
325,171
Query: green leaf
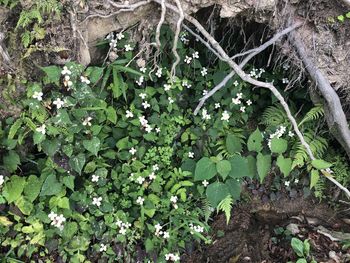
x,y
285,165
69,230
216,192
94,73
234,188
298,246
149,245
233,144
38,137
117,83
11,161
14,128
123,144
50,147
111,114
77,162
315,176
226,206
69,181
53,74
255,141
341,18
205,169
24,205
278,145
223,167
251,166
347,15
239,167
51,186
92,145
263,164
13,188
32,188
320,164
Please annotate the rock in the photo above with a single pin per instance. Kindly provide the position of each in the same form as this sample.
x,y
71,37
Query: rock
x,y
293,228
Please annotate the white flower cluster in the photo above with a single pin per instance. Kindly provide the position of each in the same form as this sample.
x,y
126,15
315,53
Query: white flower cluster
x,y
238,98
173,200
57,220
285,81
103,247
205,115
183,37
97,201
2,180
123,227
140,80
38,95
204,72
140,200
87,121
113,39
198,229
159,72
277,134
186,84
66,79
256,73
158,232
41,129
172,257
225,116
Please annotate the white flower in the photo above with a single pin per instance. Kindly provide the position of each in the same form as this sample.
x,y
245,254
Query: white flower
x,y
236,101
172,257
159,72
140,80
132,151
235,83
67,81
143,95
122,231
204,71
52,215
41,129
119,223
173,199
291,134
186,84
143,121
157,130
205,92
113,42
128,47
205,115
148,128
59,103
167,87
242,109
285,81
129,114
2,180
146,105
239,95
140,179
84,80
205,183
143,69
286,66
296,181
38,95
95,178
152,176
87,121
249,102
103,248
191,155
140,200
66,71
120,36
155,167
217,105
195,55
225,116
170,99
286,183
97,201
57,220
166,235
187,59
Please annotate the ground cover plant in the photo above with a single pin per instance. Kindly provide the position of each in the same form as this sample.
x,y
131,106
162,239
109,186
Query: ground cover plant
x,y
109,162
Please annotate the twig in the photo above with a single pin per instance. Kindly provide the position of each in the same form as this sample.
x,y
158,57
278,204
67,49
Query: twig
x,y
252,53
176,38
160,23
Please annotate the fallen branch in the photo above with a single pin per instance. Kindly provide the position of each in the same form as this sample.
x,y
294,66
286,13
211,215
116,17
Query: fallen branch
x,y
253,52
338,121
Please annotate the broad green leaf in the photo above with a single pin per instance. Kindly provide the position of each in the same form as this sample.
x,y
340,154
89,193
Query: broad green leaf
x,y
123,144
13,188
24,205
223,167
53,74
205,169
51,186
92,145
233,144
117,83
285,165
234,188
69,230
239,167
278,145
14,128
63,203
320,164
11,161
69,181
32,188
111,114
298,246
50,147
77,162
315,176
216,192
38,137
263,163
94,74
255,141
4,221
251,166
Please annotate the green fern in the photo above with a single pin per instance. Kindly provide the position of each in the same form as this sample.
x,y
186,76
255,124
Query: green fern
x,y
226,206
221,141
207,209
274,116
313,114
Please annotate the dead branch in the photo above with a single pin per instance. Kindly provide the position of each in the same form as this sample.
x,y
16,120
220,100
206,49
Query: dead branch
x,y
160,23
176,38
338,119
251,53
3,52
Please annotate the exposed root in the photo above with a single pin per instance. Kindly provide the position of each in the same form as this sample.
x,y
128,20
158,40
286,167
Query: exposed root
x,y
176,38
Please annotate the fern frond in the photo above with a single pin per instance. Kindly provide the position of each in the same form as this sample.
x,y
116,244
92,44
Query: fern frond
x,y
313,114
206,209
274,116
226,206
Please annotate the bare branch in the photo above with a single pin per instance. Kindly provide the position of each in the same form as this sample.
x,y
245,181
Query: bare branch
x,y
161,21
176,38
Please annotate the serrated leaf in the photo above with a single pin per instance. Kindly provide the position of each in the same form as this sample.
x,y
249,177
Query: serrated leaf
x,y
53,74
320,164
92,145
216,192
11,161
285,165
223,167
315,176
255,141
233,144
205,169
278,145
14,128
263,163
